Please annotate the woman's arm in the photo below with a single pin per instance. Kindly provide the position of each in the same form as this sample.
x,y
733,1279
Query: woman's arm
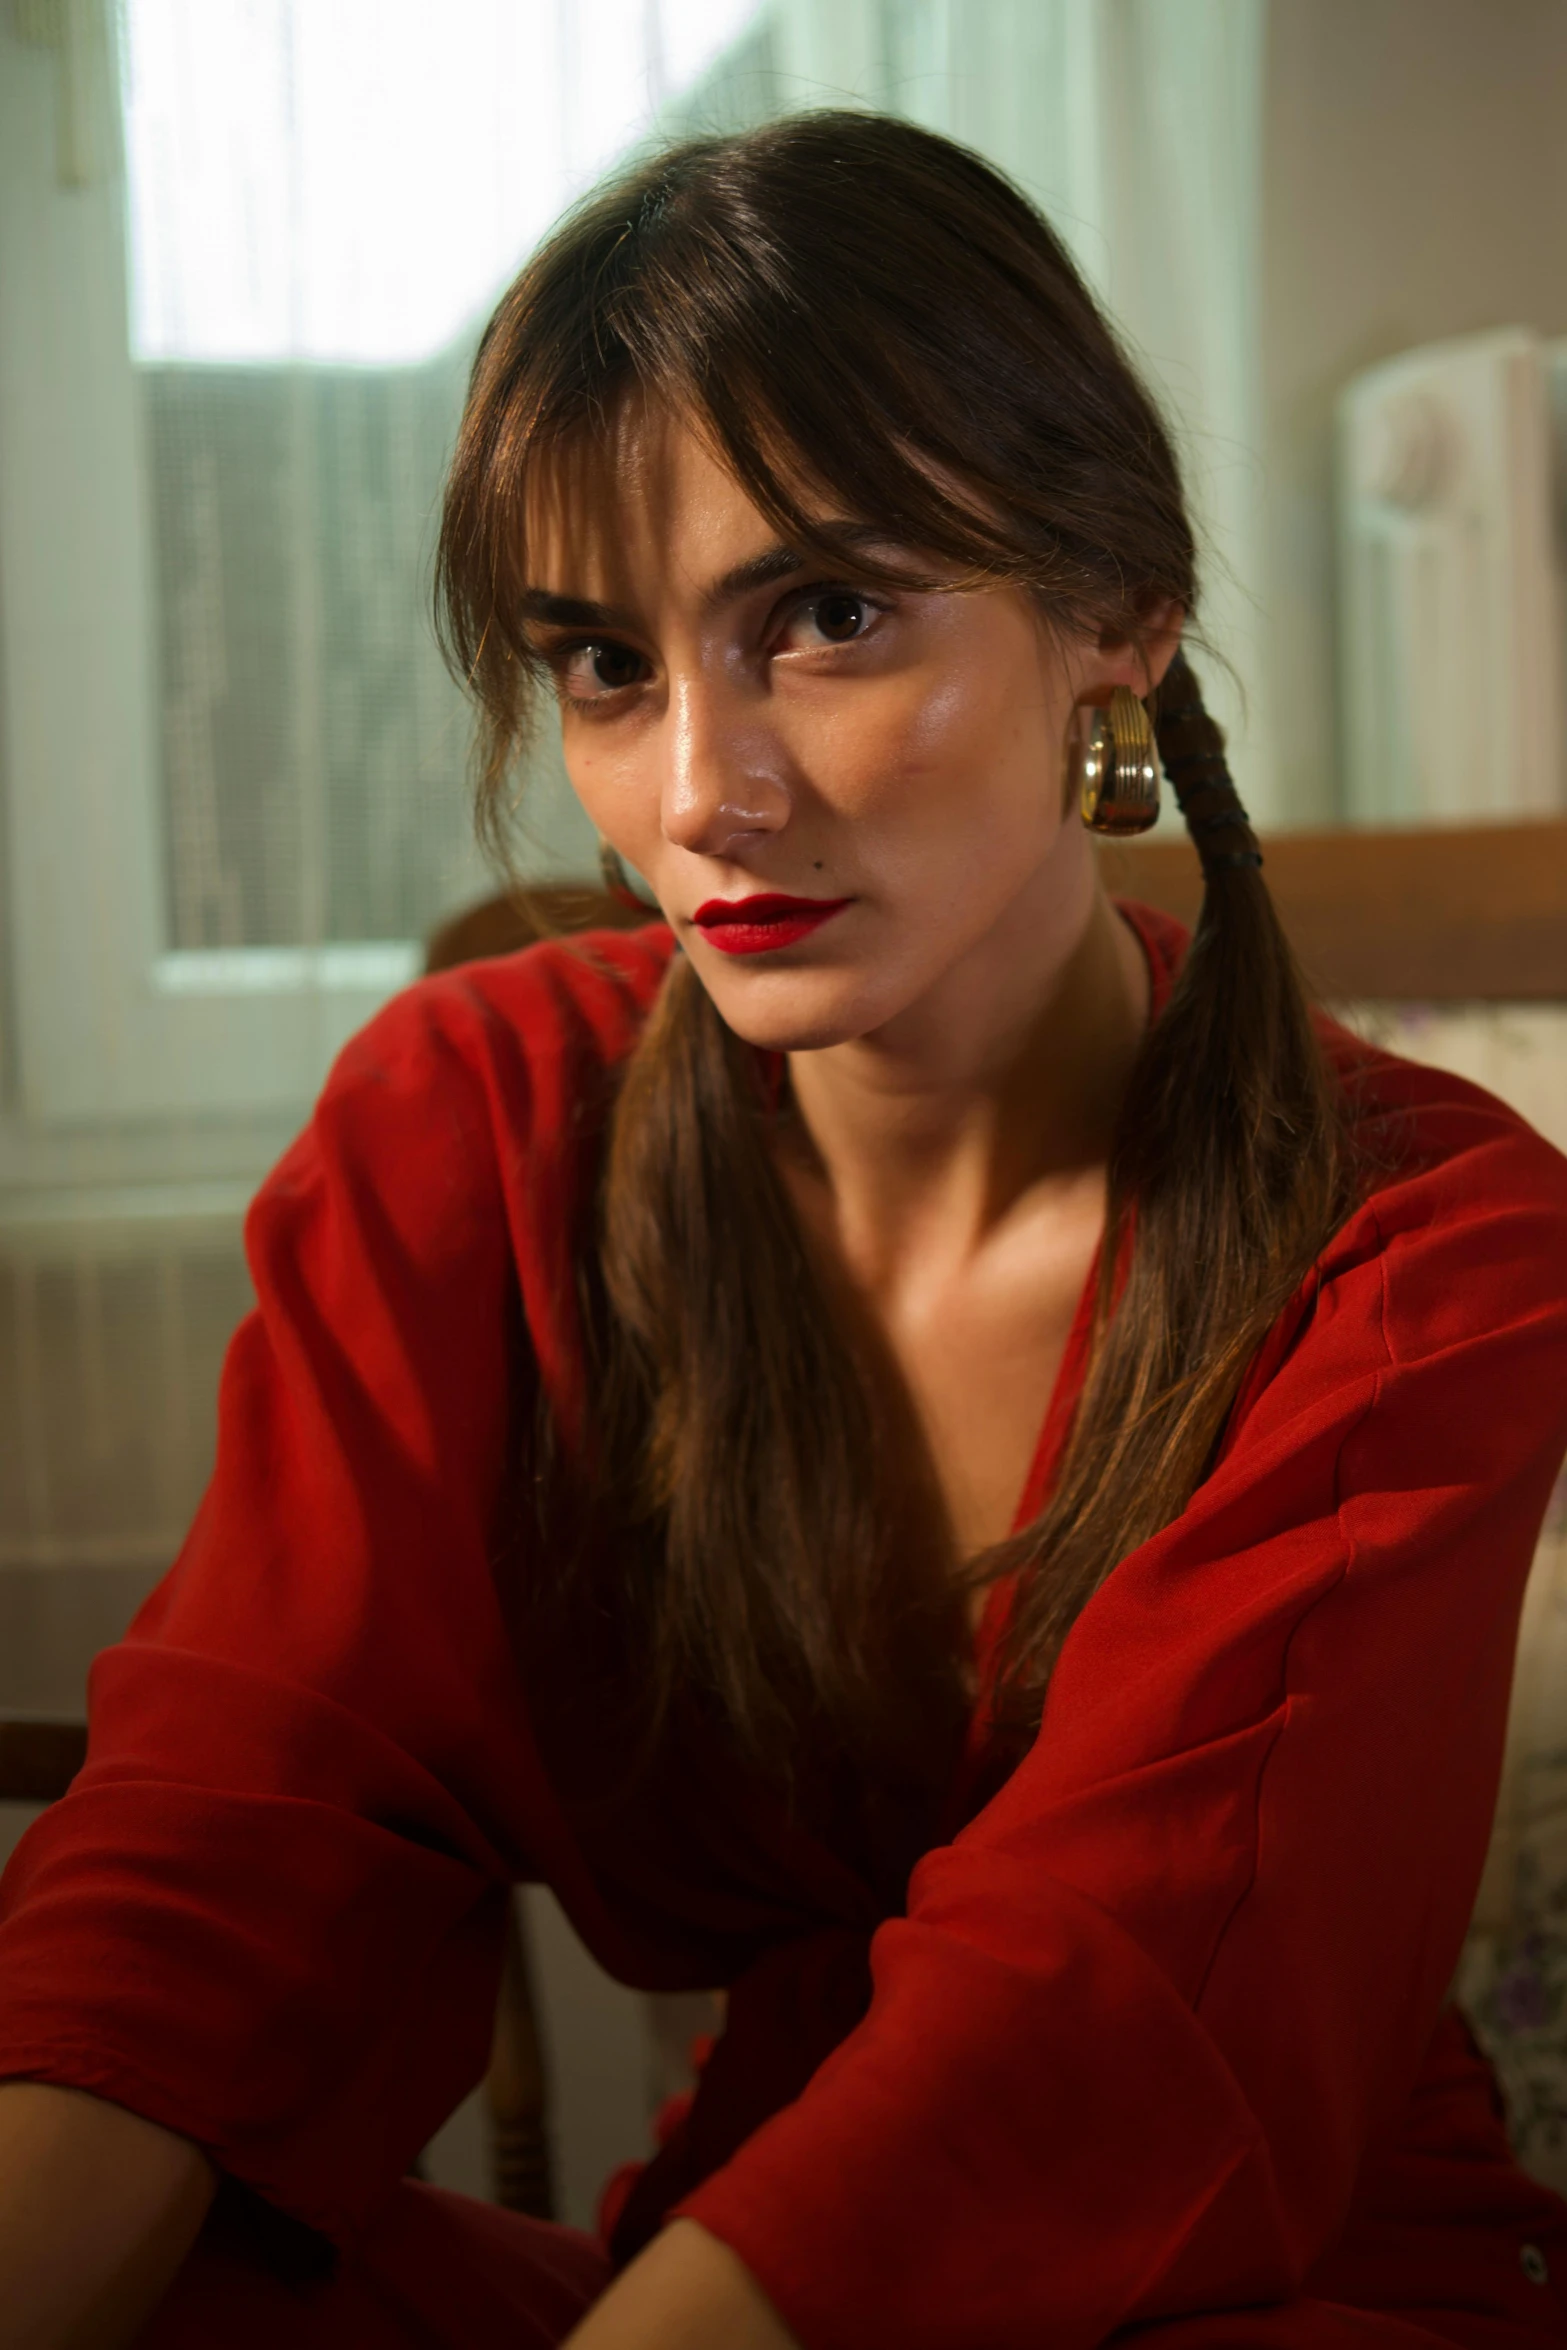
x,y
268,1913
687,2291
98,2208
1145,2017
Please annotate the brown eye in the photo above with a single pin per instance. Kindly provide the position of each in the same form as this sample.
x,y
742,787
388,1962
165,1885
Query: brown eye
x,y
614,665
840,617
591,672
827,616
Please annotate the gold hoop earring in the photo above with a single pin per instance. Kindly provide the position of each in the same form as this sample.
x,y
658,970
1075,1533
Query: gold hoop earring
x,y
1115,766
613,875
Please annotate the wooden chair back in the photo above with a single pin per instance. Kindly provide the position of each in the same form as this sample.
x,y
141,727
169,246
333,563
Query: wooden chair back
x,y
1468,914
39,1757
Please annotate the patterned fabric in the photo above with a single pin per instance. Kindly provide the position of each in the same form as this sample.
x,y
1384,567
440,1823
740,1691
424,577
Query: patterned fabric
x,y
1512,1981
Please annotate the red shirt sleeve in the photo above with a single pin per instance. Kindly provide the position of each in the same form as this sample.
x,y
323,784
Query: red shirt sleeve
x,y
1143,2019
268,1913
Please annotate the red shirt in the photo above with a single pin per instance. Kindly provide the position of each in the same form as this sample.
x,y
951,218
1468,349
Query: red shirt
x,y
1157,2029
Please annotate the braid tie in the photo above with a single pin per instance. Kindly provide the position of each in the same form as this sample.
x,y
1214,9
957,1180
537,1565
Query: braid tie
x,y
1191,752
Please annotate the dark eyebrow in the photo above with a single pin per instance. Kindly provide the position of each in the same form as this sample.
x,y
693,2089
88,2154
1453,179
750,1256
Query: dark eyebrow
x,y
570,611
773,564
781,561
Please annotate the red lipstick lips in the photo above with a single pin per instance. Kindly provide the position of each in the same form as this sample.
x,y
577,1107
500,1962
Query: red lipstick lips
x,y
757,925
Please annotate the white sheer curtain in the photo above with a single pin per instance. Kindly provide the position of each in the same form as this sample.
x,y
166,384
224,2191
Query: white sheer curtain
x,y
245,249
324,197
323,202
1138,125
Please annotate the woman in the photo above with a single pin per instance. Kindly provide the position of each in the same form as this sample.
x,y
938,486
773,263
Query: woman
x,y
920,1448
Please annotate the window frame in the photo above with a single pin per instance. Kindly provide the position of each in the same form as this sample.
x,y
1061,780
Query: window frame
x,y
129,1064
108,1026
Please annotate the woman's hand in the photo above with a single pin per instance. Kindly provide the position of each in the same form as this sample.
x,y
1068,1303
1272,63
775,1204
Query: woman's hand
x,y
98,2208
686,2291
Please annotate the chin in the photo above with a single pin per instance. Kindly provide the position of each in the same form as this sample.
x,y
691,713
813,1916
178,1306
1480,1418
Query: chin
x,y
800,1010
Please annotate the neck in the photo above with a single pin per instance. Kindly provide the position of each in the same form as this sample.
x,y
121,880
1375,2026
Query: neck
x,y
1003,1081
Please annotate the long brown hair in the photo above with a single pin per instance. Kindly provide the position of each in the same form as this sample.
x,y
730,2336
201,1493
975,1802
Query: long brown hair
x,y
846,301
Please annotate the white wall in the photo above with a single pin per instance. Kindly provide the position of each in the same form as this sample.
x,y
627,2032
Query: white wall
x,y
1414,186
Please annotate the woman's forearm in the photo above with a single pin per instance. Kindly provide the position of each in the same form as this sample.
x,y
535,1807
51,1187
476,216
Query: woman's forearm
x,y
687,2291
98,2208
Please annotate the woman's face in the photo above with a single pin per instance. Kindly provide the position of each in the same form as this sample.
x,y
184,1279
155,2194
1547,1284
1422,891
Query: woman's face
x,y
836,793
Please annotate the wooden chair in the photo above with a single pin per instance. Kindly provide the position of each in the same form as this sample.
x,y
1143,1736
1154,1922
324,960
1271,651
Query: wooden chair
x,y
39,1757
500,925
515,2089
1468,914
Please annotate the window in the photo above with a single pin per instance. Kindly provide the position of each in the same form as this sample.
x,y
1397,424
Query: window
x,y
236,305
245,246
245,250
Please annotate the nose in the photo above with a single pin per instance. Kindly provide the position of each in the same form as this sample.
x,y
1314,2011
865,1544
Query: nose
x,y
724,782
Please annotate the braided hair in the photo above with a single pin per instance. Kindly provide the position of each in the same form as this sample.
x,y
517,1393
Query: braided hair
x,y
1229,1170
1191,752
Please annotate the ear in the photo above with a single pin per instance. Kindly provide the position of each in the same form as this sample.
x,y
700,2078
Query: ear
x,y
1138,663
